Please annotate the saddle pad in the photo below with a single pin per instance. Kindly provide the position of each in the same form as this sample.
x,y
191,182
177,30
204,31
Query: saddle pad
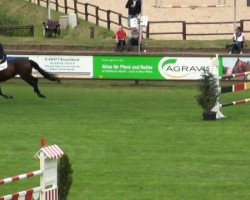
x,y
13,58
3,65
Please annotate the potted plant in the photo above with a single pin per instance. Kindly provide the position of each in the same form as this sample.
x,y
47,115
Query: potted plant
x,y
208,95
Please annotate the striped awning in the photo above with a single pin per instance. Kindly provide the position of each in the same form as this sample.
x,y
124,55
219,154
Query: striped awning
x,y
52,152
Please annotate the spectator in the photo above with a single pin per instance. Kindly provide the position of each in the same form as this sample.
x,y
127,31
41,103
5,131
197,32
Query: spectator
x,y
120,37
238,41
134,38
134,9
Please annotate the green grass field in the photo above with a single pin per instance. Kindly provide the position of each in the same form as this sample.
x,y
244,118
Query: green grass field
x,y
128,142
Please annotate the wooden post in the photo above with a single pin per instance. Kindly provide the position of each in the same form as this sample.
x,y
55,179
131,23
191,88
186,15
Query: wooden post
x,y
32,31
120,19
108,19
38,2
147,31
86,11
56,5
65,7
97,15
92,32
75,6
184,30
242,25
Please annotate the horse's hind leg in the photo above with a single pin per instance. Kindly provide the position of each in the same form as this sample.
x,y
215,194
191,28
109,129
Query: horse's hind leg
x,y
4,95
34,83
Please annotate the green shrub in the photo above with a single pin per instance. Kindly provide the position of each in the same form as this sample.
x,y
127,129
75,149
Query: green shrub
x,y
208,92
64,177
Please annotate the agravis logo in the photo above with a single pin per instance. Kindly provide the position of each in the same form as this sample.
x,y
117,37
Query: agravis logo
x,y
183,68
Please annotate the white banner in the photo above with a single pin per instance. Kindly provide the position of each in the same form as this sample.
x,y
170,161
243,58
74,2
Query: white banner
x,y
64,66
186,68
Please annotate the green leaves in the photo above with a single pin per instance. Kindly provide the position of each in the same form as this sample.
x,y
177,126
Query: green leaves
x,y
64,177
209,93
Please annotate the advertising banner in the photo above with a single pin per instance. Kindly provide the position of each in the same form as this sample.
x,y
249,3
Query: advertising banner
x,y
152,67
231,65
81,66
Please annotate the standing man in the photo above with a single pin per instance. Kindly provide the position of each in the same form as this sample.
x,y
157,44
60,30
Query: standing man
x,y
134,9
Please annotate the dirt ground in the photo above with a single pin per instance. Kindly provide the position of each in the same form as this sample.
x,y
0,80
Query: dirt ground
x,y
156,11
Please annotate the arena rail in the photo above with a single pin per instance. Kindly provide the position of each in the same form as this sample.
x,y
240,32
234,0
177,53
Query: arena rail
x,y
117,19
9,29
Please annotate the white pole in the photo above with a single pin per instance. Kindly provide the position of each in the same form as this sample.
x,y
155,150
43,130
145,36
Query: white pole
x,y
234,14
42,177
140,29
48,9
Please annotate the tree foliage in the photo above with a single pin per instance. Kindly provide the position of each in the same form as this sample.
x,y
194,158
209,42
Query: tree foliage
x,y
208,92
64,177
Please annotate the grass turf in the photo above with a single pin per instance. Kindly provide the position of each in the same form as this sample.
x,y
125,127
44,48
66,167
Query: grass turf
x,y
128,142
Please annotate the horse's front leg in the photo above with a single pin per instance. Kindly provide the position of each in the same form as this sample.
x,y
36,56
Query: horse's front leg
x,y
4,95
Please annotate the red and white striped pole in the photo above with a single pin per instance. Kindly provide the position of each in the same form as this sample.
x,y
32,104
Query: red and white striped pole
x,y
20,177
28,194
236,75
233,103
235,88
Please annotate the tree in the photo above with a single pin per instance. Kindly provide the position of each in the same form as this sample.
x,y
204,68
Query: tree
x,y
208,92
64,177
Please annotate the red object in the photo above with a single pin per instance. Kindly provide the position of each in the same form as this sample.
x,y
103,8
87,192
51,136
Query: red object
x,y
15,196
15,178
51,194
43,143
239,87
120,35
240,101
239,74
29,195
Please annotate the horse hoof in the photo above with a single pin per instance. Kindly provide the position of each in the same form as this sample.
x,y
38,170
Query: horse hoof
x,y
7,97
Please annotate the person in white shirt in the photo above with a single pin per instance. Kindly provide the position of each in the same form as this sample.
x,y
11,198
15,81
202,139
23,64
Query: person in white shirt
x,y
238,41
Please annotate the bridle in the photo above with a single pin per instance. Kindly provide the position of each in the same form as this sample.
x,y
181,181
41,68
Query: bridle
x,y
240,66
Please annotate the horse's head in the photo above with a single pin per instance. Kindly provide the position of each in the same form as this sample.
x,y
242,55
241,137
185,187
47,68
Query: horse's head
x,y
240,66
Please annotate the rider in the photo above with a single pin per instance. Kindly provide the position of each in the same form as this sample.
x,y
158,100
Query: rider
x,y
3,58
2,54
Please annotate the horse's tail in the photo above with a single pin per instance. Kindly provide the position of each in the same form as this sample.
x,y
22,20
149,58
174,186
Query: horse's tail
x,y
45,74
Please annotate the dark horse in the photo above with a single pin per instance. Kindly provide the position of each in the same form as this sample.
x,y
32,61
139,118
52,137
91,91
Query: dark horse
x,y
23,67
239,67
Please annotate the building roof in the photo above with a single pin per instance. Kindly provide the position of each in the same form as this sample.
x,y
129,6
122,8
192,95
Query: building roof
x,y
52,152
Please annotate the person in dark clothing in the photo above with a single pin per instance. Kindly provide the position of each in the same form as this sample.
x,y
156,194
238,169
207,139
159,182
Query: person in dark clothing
x,y
134,9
